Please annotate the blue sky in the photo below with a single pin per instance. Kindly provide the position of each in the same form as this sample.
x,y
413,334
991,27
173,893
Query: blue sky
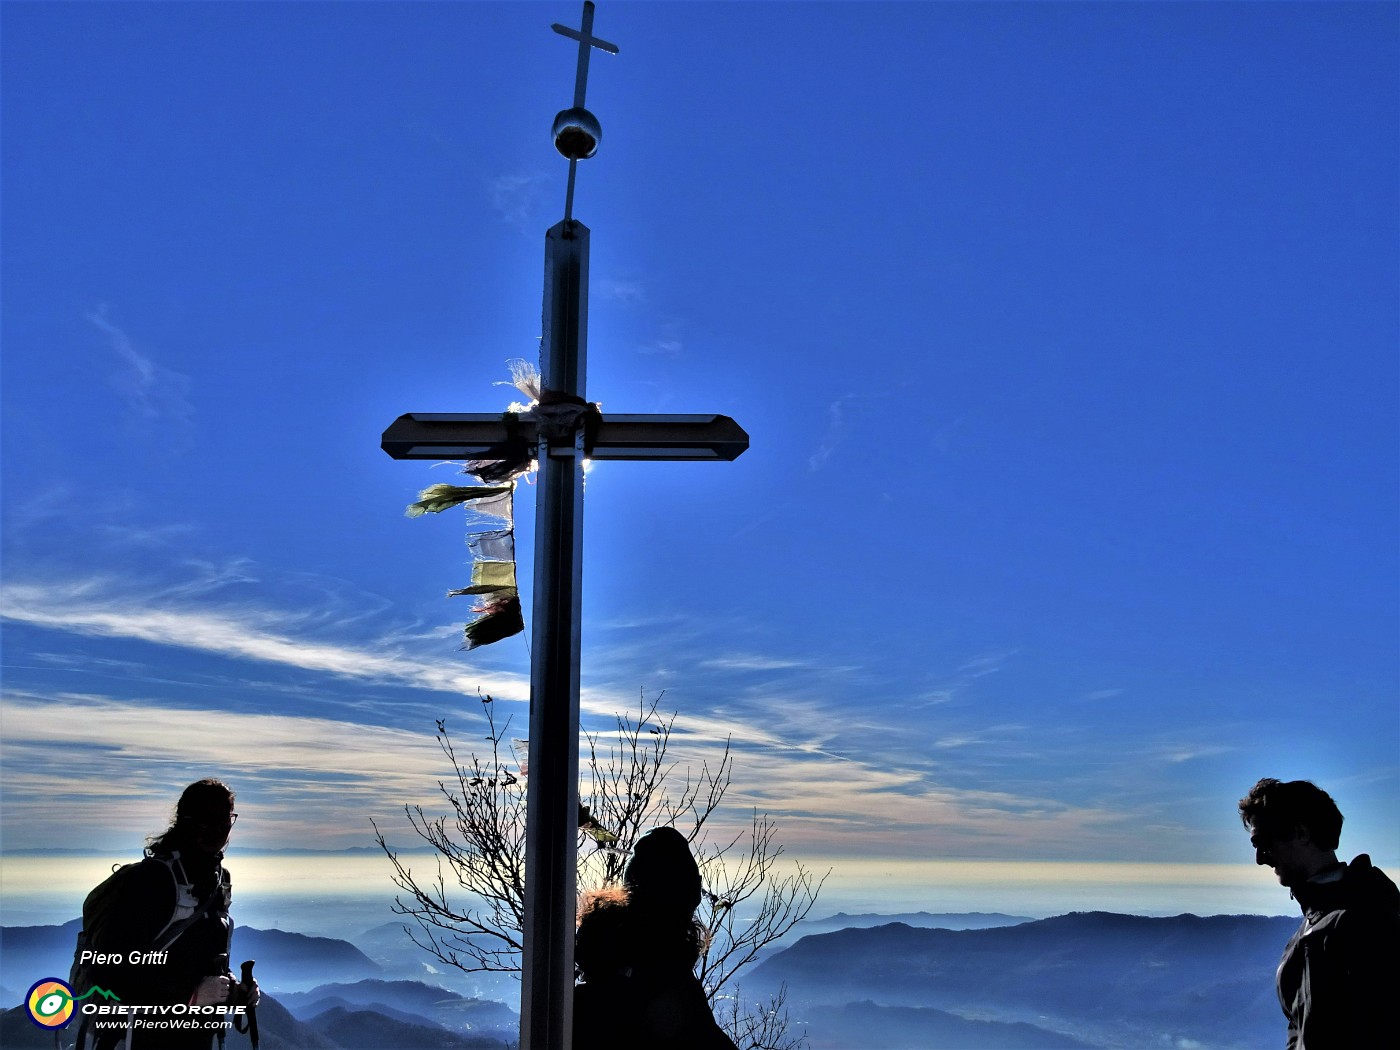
x,y
1065,335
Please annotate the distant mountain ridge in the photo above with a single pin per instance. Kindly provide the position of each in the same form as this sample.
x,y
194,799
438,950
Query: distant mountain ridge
x,y
1103,978
1087,979
409,1000
963,920
368,1013
867,1026
372,1030
339,1028
284,959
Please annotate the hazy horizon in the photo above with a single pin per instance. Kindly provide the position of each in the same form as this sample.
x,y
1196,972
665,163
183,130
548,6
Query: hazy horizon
x,y
342,896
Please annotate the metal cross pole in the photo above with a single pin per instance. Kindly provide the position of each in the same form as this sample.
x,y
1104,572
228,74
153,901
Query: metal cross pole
x,y
576,131
586,41
551,851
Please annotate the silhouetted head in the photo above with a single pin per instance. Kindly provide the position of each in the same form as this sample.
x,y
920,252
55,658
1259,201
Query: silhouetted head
x,y
662,874
204,817
1294,828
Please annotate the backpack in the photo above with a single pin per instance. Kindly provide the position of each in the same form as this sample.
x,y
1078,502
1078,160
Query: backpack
x,y
100,905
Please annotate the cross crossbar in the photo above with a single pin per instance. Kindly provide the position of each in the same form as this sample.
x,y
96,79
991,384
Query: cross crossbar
x,y
452,435
586,42
593,41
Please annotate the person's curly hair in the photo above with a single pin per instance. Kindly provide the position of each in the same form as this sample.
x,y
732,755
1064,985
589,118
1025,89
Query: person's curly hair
x,y
649,921
1278,809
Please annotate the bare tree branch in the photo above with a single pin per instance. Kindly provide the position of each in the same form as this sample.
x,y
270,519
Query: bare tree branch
x,y
759,1026
476,924
470,910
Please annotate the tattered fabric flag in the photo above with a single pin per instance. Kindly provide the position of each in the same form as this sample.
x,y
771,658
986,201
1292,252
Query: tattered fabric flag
x,y
497,545
506,460
525,377
589,825
512,457
437,498
488,577
497,614
498,617
501,507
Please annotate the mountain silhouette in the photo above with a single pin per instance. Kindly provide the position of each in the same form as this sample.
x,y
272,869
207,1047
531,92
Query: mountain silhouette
x,y
1095,976
866,1026
964,920
371,1030
1088,979
336,1029
284,959
410,1001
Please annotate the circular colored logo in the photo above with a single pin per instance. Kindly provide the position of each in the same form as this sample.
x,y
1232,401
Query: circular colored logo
x,y
50,1003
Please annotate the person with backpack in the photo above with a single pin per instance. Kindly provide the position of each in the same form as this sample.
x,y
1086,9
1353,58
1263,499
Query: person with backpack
x,y
156,933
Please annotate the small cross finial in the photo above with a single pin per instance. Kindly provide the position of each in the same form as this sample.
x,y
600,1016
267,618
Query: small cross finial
x,y
576,131
586,42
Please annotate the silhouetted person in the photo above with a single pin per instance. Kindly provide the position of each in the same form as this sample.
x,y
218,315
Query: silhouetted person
x,y
180,888
1340,972
636,950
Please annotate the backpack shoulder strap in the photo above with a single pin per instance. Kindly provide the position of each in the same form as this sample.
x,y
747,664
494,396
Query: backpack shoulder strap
x,y
173,930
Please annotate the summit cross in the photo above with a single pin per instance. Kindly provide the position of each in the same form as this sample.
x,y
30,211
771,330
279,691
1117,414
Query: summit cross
x,y
586,42
551,822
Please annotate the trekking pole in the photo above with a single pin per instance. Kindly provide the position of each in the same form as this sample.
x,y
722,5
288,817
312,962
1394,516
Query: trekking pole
x,y
220,969
246,975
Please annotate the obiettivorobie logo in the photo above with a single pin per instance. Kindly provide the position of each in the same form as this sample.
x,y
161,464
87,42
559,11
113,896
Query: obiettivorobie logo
x,y
50,1002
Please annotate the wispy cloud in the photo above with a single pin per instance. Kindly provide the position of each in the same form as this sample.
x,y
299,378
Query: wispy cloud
x,y
985,664
52,503
839,427
953,686
839,774
104,608
303,779
1096,695
519,199
663,346
858,809
745,662
842,788
158,536
150,391
833,435
1190,752
620,291
90,763
947,742
667,342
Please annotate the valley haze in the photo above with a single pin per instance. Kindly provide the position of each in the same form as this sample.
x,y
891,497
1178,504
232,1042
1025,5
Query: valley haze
x,y
937,982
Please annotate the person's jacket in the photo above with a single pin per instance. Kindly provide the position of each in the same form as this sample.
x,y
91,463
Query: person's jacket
x,y
639,989
1341,970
